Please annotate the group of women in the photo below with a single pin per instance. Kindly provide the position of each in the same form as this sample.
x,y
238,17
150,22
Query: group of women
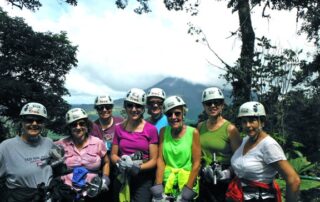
x,y
140,162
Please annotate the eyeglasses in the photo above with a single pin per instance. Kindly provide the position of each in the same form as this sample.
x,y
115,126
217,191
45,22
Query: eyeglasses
x,y
130,105
213,102
30,120
101,107
176,114
152,103
76,123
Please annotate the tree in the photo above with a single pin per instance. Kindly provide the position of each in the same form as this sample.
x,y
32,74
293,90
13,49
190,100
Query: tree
x,y
35,4
33,68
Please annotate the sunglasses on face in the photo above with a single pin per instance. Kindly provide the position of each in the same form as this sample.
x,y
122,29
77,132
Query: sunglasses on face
x,y
213,102
152,103
176,114
31,120
101,107
130,105
76,123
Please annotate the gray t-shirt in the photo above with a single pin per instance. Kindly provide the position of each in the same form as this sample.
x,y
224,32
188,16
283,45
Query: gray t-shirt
x,y
25,165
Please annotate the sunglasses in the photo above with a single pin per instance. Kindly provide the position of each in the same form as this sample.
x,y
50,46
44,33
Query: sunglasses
x,y
176,114
213,102
102,107
76,123
30,120
130,105
159,103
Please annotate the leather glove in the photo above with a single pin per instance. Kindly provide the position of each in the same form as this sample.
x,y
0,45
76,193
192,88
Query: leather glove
x,y
223,174
105,183
157,193
186,195
126,161
208,174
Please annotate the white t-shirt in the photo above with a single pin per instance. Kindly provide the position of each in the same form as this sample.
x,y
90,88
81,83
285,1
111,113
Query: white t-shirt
x,y
255,165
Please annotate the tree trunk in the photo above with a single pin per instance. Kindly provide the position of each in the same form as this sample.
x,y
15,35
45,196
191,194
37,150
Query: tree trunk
x,y
242,86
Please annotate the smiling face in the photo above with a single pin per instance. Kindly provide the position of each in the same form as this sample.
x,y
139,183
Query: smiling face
x,y
79,130
133,110
214,107
32,125
175,117
252,126
155,106
104,111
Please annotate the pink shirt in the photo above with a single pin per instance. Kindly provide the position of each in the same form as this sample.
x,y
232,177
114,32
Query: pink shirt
x,y
90,156
130,142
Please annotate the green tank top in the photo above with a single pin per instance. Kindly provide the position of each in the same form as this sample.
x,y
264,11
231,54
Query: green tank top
x,y
216,141
177,153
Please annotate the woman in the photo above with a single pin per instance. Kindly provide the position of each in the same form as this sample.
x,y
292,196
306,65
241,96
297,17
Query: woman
x,y
258,160
24,158
155,98
104,126
134,151
83,152
178,163
219,139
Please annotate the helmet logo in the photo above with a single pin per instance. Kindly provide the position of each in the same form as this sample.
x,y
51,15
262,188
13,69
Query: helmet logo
x,y
178,99
255,108
204,94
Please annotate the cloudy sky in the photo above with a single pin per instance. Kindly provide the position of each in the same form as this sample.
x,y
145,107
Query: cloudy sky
x,y
119,49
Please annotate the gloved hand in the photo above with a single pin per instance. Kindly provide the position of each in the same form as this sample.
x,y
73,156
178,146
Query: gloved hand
x,y
56,154
208,174
105,183
124,162
223,174
186,195
157,193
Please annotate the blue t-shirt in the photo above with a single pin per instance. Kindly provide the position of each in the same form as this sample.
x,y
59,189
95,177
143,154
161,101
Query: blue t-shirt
x,y
162,122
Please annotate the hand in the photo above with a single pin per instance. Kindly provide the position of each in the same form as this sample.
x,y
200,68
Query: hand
x,y
105,183
157,192
208,174
186,195
223,174
126,161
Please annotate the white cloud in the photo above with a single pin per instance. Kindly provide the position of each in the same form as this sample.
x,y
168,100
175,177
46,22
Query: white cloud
x,y
119,49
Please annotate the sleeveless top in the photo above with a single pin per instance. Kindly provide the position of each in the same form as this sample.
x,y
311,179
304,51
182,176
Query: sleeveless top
x,y
217,142
177,154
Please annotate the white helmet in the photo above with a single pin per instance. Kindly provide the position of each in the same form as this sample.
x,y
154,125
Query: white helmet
x,y
172,102
137,96
156,92
103,100
212,93
34,108
251,109
75,114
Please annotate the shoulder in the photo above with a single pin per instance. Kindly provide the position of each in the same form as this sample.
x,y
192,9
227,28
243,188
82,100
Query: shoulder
x,y
150,127
117,119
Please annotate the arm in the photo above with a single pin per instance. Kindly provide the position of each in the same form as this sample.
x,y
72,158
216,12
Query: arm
x,y
152,162
291,177
160,162
114,153
196,158
106,166
234,136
